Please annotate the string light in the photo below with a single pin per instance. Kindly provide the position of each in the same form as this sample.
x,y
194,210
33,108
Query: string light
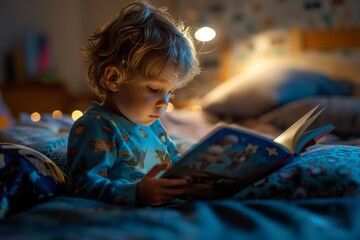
x,y
35,117
57,114
76,114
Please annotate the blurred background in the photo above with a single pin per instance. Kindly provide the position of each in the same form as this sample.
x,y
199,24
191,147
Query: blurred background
x,y
40,40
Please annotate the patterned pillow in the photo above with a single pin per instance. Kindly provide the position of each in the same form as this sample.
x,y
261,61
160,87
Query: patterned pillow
x,y
26,178
25,135
323,171
55,149
46,141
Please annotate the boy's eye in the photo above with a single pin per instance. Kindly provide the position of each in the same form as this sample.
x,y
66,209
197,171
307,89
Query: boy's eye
x,y
153,89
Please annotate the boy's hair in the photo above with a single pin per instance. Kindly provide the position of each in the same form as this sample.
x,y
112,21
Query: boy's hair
x,y
141,40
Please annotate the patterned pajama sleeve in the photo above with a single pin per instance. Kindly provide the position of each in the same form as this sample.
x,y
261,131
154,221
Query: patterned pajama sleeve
x,y
92,151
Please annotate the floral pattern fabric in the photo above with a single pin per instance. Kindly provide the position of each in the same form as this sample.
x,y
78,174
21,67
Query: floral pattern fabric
x,y
27,177
323,171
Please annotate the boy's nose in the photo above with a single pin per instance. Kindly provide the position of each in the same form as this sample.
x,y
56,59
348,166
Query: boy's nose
x,y
163,102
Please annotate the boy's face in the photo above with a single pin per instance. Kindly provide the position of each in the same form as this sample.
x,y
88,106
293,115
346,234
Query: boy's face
x,y
143,101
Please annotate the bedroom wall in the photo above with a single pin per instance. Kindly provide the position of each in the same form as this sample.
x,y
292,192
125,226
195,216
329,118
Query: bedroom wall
x,y
60,21
67,23
240,18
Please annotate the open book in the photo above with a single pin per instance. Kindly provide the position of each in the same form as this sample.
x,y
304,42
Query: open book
x,y
230,158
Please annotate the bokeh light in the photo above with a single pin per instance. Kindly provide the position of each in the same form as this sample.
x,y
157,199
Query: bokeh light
x,y
57,114
35,117
76,114
170,107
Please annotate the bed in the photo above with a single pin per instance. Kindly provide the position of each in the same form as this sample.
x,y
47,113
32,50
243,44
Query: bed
x,y
315,197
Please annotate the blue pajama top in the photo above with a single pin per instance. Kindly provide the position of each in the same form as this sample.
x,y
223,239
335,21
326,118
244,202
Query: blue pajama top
x,y
108,155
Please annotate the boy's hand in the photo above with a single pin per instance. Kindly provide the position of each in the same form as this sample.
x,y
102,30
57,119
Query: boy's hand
x,y
153,191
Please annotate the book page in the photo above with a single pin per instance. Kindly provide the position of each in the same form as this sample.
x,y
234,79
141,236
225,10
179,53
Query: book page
x,y
314,134
290,136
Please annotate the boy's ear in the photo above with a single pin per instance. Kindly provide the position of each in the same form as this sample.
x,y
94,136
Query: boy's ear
x,y
112,78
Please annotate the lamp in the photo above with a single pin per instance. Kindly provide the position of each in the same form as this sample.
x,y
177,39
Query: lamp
x,y
205,34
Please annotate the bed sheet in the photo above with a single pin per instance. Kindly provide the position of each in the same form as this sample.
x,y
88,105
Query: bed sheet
x,y
75,218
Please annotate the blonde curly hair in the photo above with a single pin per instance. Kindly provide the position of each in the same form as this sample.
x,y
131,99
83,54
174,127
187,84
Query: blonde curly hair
x,y
143,40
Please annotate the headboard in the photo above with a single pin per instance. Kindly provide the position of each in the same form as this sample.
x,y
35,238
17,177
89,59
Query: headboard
x,y
326,39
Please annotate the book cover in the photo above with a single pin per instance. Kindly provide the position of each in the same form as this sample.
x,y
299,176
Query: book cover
x,y
230,158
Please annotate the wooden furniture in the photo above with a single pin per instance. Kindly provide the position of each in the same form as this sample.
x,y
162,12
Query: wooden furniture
x,y
43,98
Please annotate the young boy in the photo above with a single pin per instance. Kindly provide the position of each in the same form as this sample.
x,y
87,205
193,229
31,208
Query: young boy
x,y
117,147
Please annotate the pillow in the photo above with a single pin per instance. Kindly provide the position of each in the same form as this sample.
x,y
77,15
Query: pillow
x,y
44,140
261,89
56,150
26,135
324,171
337,64
27,177
341,111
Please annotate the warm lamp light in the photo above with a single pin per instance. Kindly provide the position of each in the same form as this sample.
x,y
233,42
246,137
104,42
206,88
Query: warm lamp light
x,y
197,108
205,34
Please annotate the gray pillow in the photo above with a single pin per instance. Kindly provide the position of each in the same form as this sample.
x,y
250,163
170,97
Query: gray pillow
x,y
341,111
256,92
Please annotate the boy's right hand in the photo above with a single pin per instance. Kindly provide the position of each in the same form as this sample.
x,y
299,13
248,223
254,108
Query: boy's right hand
x,y
157,191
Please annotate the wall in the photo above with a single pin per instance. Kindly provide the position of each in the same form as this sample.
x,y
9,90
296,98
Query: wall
x,y
237,19
69,23
60,20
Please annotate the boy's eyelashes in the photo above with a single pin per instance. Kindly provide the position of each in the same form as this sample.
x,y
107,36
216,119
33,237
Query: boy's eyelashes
x,y
155,90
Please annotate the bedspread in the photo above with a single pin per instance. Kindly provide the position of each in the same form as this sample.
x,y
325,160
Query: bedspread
x,y
75,218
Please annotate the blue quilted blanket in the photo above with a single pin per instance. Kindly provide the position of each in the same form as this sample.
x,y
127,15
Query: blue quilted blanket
x,y
75,218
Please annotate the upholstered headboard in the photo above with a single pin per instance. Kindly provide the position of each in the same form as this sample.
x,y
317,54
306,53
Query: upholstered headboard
x,y
325,39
